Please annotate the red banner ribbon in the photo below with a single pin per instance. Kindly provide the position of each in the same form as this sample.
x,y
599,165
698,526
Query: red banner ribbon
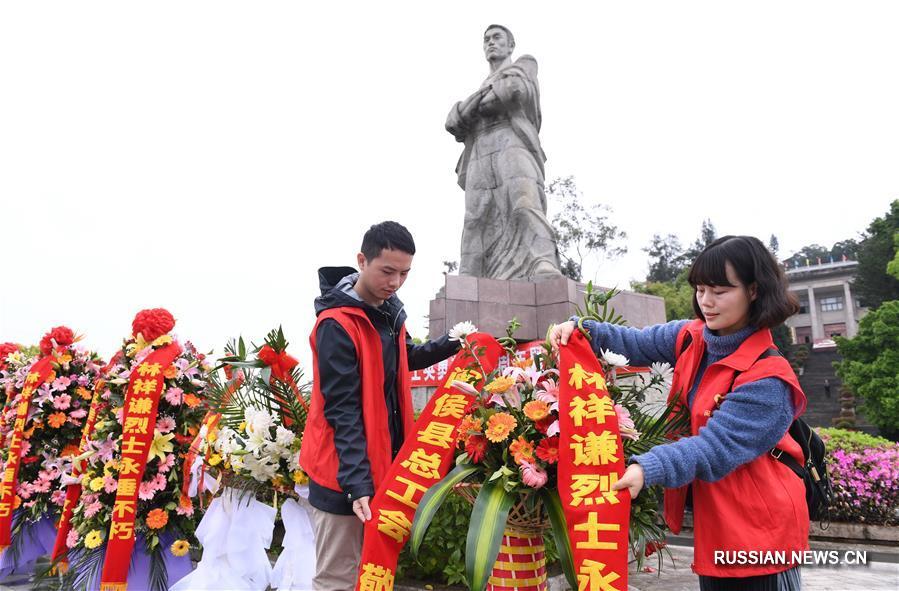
x,y
138,424
38,373
422,462
591,460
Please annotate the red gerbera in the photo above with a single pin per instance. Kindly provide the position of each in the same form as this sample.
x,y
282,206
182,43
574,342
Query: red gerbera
x,y
152,323
476,447
63,336
548,450
543,424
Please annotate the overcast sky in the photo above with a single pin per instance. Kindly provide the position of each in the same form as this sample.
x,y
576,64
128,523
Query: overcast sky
x,y
210,156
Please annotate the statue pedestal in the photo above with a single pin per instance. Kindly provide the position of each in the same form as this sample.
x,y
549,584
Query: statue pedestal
x,y
491,303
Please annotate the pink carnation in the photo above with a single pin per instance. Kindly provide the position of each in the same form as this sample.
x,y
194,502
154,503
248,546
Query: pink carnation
x,y
166,464
146,491
110,484
61,383
58,497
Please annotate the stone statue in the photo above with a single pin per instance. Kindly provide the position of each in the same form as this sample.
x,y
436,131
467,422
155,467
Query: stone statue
x,y
506,234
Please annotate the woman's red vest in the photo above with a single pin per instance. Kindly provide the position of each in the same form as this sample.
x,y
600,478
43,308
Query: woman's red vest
x,y
318,455
760,506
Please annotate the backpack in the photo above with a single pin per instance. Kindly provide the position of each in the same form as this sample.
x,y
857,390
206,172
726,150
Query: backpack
x,y
818,488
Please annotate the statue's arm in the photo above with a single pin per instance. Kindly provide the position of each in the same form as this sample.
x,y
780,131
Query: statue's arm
x,y
463,114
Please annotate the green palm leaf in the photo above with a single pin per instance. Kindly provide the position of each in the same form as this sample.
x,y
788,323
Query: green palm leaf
x,y
431,502
560,533
488,520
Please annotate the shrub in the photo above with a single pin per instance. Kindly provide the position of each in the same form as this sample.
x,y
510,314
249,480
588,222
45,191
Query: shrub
x,y
865,474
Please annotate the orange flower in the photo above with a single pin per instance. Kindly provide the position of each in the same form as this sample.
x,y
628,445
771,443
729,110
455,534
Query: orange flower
x,y
499,426
16,502
468,425
536,410
57,420
69,450
84,392
157,518
500,385
522,449
522,363
191,400
170,372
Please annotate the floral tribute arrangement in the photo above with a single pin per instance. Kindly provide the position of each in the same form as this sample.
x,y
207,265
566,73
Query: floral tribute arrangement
x,y
250,441
540,446
132,510
48,399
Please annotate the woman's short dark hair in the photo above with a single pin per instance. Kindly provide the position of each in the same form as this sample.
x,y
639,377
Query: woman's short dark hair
x,y
753,263
389,235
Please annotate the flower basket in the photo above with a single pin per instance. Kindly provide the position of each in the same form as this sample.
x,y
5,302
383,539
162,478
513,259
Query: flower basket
x,y
521,563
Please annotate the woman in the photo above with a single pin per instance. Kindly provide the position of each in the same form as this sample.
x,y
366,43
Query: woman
x,y
742,397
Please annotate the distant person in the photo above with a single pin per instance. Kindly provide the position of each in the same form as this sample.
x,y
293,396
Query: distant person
x,y
742,396
827,387
361,407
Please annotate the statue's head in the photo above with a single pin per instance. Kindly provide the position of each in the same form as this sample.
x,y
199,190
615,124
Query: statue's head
x,y
498,43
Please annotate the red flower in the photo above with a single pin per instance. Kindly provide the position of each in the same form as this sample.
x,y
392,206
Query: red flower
x,y
30,459
652,547
548,450
152,324
5,350
476,447
63,336
543,424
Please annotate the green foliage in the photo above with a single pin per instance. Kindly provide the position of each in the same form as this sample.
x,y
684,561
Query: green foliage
x,y
678,295
442,553
877,250
870,366
811,253
847,440
893,266
581,230
666,258
782,337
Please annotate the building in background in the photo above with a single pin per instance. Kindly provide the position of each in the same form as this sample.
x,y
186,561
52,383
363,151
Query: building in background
x,y
828,304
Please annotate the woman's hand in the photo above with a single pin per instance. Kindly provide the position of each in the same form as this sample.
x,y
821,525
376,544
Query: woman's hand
x,y
632,480
560,334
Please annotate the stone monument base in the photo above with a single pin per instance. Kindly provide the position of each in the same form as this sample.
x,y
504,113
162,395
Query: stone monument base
x,y
491,303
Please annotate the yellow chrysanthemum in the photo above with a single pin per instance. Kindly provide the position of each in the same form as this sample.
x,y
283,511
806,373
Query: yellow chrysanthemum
x,y
93,539
499,426
500,384
96,484
536,410
86,480
179,548
215,460
299,477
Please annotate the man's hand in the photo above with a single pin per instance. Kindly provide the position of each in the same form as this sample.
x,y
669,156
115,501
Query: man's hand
x,y
632,480
361,509
560,334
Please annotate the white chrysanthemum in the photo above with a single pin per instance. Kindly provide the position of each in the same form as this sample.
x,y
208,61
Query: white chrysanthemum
x,y
662,370
284,437
614,359
462,330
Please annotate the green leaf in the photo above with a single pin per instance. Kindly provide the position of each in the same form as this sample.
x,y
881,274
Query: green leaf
x,y
560,533
431,502
488,520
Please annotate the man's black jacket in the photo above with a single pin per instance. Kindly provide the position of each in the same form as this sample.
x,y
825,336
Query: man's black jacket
x,y
338,375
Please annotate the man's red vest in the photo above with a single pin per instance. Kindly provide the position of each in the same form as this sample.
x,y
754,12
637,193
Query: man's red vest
x,y
760,506
318,455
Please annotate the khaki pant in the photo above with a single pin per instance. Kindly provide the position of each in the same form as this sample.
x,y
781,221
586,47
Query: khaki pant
x,y
338,549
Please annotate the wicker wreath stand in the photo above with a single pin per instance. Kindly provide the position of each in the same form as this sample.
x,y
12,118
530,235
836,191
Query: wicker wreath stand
x,y
521,563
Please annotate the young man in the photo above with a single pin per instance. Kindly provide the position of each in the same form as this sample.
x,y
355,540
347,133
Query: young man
x,y
361,409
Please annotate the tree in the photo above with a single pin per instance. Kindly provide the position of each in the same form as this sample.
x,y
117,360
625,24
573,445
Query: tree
x,y
893,266
873,283
870,366
808,255
581,230
707,235
666,258
773,245
678,295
